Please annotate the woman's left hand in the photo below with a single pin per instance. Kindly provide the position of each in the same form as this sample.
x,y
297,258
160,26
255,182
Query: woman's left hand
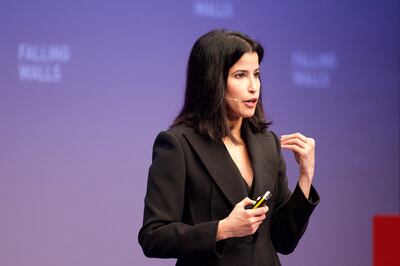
x,y
304,152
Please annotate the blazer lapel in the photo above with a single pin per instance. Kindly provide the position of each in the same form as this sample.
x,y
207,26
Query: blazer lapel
x,y
219,165
263,152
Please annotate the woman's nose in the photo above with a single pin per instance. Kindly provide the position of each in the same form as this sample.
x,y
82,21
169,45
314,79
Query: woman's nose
x,y
252,89
253,85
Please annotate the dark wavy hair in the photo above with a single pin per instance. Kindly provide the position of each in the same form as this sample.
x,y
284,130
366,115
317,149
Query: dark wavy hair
x,y
204,109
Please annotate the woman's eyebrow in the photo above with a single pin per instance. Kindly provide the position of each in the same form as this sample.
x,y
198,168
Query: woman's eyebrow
x,y
245,70
240,70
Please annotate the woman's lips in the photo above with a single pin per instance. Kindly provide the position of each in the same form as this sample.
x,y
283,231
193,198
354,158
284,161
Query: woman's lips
x,y
251,102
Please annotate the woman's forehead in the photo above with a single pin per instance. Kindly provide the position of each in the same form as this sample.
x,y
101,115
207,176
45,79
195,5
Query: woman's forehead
x,y
248,61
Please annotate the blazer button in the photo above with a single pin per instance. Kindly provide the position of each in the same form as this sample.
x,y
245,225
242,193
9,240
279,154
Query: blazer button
x,y
249,239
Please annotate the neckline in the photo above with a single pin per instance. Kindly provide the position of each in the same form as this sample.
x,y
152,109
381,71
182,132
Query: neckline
x,y
249,189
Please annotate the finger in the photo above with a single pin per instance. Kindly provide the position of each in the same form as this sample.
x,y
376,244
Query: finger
x,y
295,135
260,218
257,212
257,220
294,148
295,141
311,142
261,210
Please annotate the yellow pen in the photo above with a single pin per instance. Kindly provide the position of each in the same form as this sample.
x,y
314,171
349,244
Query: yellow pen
x,y
259,200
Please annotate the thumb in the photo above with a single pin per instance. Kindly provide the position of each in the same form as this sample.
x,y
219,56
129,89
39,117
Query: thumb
x,y
246,201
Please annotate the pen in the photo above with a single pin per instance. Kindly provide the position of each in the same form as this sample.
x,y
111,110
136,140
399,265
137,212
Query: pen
x,y
267,195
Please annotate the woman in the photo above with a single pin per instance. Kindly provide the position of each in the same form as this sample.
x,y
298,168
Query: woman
x,y
217,155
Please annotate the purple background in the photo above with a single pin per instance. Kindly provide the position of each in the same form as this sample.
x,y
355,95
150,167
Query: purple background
x,y
74,154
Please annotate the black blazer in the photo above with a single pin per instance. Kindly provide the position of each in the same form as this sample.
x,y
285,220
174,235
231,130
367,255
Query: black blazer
x,y
193,183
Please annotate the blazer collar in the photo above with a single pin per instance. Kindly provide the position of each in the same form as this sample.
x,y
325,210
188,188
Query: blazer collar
x,y
224,172
219,165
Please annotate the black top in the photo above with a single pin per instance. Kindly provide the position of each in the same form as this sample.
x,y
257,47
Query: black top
x,y
250,190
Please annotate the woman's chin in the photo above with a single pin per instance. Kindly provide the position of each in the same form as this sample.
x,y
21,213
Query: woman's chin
x,y
248,114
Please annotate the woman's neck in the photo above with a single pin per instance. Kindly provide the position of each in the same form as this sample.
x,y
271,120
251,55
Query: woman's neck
x,y
235,127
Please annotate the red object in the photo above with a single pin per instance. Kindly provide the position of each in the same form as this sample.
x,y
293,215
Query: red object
x,y
386,237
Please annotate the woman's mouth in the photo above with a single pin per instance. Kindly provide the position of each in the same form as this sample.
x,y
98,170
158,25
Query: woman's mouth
x,y
251,102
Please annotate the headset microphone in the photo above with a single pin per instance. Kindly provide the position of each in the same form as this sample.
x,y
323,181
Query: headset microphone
x,y
232,99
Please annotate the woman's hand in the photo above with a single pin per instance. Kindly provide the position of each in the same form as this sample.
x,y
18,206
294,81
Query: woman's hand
x,y
241,221
304,151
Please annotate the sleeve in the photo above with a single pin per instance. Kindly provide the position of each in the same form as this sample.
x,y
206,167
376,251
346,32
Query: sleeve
x,y
163,234
289,220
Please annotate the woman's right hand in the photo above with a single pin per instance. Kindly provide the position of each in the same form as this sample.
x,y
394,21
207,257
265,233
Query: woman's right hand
x,y
241,221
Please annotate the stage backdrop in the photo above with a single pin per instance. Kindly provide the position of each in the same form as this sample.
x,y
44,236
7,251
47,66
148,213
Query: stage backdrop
x,y
87,85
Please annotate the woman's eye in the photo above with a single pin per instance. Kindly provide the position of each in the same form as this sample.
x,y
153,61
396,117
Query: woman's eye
x,y
257,75
240,75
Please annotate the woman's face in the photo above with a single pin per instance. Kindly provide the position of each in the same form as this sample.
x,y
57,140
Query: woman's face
x,y
243,87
